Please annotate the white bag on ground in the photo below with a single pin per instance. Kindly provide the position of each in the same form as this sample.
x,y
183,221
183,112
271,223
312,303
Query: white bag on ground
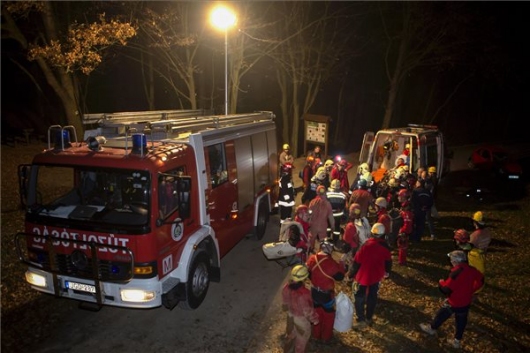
x,y
344,313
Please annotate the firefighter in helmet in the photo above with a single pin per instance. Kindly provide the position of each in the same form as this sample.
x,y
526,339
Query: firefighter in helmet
x,y
296,299
338,200
286,156
324,271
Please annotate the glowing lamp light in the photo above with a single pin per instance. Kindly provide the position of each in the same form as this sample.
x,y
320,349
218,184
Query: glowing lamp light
x,y
222,18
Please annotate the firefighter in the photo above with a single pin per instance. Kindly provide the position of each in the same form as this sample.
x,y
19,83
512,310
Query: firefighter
x,y
328,166
296,299
351,234
371,264
363,197
383,218
405,231
321,217
475,256
340,172
481,236
459,288
307,175
286,196
421,201
324,271
317,180
337,198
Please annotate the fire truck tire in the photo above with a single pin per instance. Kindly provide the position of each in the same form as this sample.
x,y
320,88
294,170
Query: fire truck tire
x,y
198,282
263,218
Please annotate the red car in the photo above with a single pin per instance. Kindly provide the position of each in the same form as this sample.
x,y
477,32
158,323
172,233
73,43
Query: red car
x,y
495,159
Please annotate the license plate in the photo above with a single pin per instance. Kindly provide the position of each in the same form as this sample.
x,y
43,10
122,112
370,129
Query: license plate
x,y
80,287
513,176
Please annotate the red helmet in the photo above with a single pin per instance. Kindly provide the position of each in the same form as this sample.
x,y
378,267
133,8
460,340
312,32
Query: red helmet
x,y
461,235
404,193
343,162
321,190
302,209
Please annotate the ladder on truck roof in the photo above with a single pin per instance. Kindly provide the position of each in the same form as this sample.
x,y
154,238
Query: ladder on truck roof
x,y
141,116
171,124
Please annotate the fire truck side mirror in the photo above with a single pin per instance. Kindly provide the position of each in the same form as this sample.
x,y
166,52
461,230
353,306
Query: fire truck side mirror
x,y
23,177
184,189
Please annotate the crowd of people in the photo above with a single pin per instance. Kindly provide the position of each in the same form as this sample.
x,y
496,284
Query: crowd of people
x,y
365,221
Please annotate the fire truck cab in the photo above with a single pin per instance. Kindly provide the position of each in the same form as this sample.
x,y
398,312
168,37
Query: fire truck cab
x,y
140,213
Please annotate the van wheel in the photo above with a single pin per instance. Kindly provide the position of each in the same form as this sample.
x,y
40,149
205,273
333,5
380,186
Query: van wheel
x,y
263,218
198,282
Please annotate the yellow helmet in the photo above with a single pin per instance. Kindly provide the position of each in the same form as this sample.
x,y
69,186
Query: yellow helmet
x,y
328,163
299,273
381,202
478,217
335,184
286,146
432,169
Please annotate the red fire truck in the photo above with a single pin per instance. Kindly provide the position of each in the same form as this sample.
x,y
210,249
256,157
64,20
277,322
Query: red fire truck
x,y
140,213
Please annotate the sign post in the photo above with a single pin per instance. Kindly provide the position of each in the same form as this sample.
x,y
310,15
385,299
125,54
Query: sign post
x,y
316,130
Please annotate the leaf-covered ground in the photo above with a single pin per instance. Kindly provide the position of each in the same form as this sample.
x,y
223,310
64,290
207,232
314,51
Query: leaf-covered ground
x,y
499,320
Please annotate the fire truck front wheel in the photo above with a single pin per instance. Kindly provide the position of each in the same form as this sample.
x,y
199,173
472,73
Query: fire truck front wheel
x,y
198,282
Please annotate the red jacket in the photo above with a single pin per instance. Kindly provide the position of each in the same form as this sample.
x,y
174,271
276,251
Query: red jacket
x,y
325,275
298,299
462,283
371,262
351,236
384,218
408,224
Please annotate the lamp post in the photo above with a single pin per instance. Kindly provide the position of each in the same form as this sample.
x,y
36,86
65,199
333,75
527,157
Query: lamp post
x,y
223,18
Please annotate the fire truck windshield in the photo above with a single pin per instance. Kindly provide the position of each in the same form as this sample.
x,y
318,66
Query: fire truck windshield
x,y
100,196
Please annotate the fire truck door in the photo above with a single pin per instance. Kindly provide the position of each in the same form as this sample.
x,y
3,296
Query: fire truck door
x,y
222,198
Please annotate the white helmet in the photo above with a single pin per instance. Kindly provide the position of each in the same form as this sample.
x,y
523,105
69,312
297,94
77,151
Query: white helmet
x,y
381,202
457,256
326,246
378,229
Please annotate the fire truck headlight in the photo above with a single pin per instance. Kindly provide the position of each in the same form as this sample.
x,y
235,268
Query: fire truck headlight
x,y
35,279
137,295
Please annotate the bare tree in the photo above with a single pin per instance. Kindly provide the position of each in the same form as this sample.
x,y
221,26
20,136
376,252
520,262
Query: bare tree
x,y
316,48
439,36
60,52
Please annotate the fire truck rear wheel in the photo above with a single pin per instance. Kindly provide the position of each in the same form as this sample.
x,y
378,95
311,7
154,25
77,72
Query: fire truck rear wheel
x,y
263,218
198,282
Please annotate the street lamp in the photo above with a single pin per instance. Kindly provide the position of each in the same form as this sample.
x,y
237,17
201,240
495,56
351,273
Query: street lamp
x,y
223,18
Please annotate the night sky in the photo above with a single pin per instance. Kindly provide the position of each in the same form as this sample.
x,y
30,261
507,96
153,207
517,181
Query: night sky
x,y
488,107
